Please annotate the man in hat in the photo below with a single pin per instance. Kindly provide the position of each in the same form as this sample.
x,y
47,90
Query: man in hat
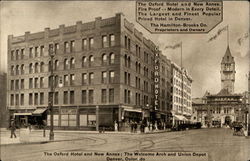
x,y
12,128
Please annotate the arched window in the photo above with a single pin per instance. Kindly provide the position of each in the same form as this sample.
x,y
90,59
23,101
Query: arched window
x,y
17,70
125,60
72,63
42,67
66,64
36,68
139,68
84,61
49,66
104,59
91,60
12,70
129,62
22,69
56,65
112,58
136,66
30,68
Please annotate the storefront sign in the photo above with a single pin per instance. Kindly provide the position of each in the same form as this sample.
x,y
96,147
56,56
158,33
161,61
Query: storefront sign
x,y
156,79
68,111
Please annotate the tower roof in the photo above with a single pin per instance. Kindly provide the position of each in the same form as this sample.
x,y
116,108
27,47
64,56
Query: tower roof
x,y
228,58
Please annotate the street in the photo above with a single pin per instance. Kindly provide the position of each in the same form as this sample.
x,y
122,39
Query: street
x,y
220,144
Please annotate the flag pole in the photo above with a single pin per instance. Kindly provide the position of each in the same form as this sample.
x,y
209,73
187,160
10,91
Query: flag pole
x,y
227,35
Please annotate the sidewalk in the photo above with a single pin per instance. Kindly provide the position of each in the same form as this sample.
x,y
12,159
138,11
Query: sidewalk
x,y
36,136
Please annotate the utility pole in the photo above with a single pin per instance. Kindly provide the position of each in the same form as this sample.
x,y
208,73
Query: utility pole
x,y
51,93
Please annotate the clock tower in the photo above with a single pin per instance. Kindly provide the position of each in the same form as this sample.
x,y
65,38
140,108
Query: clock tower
x,y
228,71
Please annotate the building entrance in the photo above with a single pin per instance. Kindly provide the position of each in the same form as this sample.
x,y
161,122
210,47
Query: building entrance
x,y
228,120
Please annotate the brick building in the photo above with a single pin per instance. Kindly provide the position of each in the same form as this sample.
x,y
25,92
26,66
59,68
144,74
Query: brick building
x,y
181,95
107,69
3,107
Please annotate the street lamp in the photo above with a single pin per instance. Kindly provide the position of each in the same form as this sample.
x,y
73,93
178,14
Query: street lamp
x,y
51,93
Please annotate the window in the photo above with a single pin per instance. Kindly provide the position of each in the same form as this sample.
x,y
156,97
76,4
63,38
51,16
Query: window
x,y
129,45
65,97
30,99
112,58
12,70
128,78
56,65
41,82
36,82
111,76
111,95
36,51
42,67
36,99
31,53
12,99
41,98
125,96
50,81
66,47
84,96
72,46
56,48
17,99
84,44
104,96
17,70
12,55
112,39
128,96
36,67
12,85
91,78
91,96
66,80
56,81
126,42
41,50
31,68
104,77
129,62
22,53
84,61
91,60
84,78
56,98
72,79
22,69
72,63
22,100
17,84
31,83
104,41
91,43
66,64
104,59
125,77
17,54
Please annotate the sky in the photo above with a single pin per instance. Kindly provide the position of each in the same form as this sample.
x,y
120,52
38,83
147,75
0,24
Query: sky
x,y
201,58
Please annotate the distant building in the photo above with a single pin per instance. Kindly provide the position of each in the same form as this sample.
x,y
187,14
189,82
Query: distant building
x,y
224,107
3,108
181,95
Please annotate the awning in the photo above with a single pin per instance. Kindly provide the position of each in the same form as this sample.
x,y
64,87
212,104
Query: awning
x,y
22,114
180,117
133,110
39,111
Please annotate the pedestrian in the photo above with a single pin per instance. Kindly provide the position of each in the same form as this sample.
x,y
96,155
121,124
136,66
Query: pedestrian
x,y
132,126
116,126
135,127
12,128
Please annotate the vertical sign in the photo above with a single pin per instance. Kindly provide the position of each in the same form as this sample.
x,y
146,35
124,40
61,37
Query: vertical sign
x,y
157,78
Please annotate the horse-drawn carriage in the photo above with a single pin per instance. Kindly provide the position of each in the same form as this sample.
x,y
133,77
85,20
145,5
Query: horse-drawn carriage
x,y
238,129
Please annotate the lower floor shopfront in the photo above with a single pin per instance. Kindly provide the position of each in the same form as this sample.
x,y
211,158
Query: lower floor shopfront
x,y
100,117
